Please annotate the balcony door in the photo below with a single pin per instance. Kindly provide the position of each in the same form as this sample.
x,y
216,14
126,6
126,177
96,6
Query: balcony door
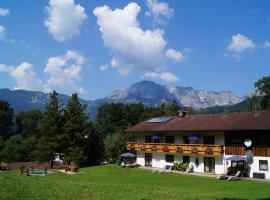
x,y
209,164
148,159
208,140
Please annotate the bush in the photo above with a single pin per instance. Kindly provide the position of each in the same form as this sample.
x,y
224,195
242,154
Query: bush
x,y
180,166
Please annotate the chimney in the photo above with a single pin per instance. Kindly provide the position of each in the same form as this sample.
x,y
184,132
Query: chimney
x,y
182,113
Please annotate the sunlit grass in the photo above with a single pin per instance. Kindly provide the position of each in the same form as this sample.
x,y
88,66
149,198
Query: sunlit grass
x,y
113,182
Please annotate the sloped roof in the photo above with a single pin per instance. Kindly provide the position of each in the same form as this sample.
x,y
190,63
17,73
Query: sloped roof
x,y
209,122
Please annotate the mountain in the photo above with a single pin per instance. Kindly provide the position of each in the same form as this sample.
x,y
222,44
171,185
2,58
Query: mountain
x,y
22,100
150,93
146,92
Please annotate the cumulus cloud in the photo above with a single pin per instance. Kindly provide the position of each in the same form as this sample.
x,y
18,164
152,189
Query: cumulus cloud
x,y
165,76
4,12
104,67
240,43
266,44
65,19
159,11
64,72
132,48
25,77
174,55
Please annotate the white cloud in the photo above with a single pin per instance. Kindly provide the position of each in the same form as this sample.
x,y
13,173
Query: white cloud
x,y
104,67
133,49
174,55
64,19
24,76
159,10
165,76
4,12
267,44
240,43
2,32
64,72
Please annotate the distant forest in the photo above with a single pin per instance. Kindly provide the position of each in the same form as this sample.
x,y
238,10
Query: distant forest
x,y
36,136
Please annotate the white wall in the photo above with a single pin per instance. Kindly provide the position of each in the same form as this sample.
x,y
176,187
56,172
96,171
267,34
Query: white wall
x,y
254,167
140,158
159,161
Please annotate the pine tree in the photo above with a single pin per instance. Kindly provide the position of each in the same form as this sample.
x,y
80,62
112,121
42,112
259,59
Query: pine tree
x,y
75,131
50,130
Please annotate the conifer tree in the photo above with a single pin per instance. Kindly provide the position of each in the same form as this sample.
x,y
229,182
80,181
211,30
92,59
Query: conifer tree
x,y
50,130
75,131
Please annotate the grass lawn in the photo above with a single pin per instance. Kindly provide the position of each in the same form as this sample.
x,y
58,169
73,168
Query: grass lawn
x,y
112,182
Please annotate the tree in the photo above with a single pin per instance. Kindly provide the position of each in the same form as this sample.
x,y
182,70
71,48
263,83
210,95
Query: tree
x,y
251,104
75,131
114,145
6,119
263,87
12,150
111,117
133,114
94,144
28,122
50,129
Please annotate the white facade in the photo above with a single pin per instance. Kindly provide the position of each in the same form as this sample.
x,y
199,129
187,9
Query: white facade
x,y
158,161
220,165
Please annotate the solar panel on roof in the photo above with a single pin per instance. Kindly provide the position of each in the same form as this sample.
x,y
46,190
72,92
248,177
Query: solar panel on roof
x,y
159,119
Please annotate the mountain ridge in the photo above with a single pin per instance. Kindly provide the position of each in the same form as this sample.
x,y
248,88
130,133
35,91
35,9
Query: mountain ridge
x,y
147,92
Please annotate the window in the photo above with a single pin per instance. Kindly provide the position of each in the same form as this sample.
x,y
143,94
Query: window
x,y
186,140
152,139
263,165
148,139
186,159
208,139
170,139
169,158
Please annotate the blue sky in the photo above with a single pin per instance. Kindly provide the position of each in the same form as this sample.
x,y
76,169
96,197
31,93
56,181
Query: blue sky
x,y
85,46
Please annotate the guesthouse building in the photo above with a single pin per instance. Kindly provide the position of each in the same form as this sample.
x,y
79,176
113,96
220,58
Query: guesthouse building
x,y
211,143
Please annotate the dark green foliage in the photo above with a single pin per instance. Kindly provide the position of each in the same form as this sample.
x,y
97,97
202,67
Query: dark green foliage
x,y
28,123
94,144
50,129
248,105
113,119
13,149
75,131
114,144
263,87
6,119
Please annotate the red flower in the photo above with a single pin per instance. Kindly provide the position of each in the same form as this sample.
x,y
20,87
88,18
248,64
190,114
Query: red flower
x,y
143,148
179,150
208,151
154,148
165,148
194,150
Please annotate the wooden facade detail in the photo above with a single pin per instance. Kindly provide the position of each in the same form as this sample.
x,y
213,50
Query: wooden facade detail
x,y
231,150
202,149
257,151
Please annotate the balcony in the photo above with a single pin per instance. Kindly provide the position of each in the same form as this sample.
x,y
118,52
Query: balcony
x,y
202,149
257,151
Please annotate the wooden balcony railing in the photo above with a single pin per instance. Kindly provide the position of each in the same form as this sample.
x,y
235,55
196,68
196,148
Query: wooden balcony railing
x,y
177,148
257,151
